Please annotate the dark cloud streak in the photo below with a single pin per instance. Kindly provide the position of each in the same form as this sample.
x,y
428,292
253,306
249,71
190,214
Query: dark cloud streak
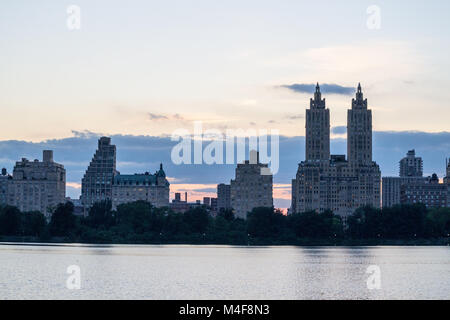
x,y
324,88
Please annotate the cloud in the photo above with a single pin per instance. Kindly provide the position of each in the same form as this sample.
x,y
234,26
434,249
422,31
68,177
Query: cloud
x,y
295,116
339,130
154,116
85,134
324,88
163,117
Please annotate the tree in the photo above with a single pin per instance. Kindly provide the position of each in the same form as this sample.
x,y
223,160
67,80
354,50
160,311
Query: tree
x,y
197,219
404,221
313,225
264,222
139,217
33,223
365,223
227,214
100,214
438,222
10,221
63,221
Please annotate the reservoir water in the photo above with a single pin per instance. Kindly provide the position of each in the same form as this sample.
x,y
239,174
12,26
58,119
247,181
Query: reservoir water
x,y
223,272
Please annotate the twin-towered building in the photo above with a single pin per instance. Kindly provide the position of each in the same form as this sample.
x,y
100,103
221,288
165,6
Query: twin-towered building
x,y
330,182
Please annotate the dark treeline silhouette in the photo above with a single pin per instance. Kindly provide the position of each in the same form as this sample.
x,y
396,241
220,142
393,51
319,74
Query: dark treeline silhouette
x,y
139,222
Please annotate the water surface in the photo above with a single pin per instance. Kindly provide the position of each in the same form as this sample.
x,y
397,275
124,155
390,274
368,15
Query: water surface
x,y
223,272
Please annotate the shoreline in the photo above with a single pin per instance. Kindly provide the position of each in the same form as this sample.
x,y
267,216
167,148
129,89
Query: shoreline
x,y
349,243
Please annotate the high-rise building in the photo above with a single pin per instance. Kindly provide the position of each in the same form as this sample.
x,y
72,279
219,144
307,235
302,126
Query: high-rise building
x,y
411,173
411,166
359,131
96,184
223,196
252,186
391,189
207,201
153,188
330,182
427,191
4,179
37,185
317,129
447,169
214,204
447,180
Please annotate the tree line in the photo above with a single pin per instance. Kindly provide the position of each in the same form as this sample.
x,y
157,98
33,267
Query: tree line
x,y
141,223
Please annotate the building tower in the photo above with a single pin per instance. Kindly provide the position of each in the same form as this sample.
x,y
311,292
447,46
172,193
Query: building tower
x,y
4,177
96,184
251,189
359,131
37,185
411,166
447,176
223,196
317,129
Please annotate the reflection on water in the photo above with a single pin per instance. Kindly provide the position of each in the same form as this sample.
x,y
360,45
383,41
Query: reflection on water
x,y
222,272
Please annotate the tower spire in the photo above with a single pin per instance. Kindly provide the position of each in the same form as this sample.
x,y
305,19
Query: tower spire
x,y
359,102
317,94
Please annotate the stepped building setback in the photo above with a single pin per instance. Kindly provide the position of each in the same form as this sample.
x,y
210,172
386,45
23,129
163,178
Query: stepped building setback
x,y
102,182
96,185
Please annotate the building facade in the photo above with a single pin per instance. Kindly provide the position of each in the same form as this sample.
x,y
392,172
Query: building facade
x,y
317,129
391,189
330,182
411,186
4,179
427,191
153,188
447,180
37,185
411,166
96,184
252,187
223,197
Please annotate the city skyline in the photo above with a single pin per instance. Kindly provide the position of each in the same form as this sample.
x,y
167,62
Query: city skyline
x,y
196,185
280,191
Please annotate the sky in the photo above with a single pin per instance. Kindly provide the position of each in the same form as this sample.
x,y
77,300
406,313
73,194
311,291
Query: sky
x,y
147,68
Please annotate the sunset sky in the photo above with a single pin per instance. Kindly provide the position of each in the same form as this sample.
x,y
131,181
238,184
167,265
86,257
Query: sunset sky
x,y
151,67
